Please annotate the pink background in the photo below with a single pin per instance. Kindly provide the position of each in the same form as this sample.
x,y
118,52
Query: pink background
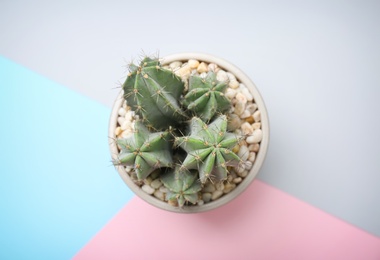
x,y
263,223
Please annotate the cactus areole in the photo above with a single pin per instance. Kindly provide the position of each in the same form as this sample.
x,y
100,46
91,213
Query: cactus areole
x,y
179,135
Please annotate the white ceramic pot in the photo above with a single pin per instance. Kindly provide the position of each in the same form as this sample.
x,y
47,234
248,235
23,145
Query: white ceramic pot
x,y
225,65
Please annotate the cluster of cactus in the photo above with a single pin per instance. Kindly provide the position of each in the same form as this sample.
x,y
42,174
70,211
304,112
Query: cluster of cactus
x,y
181,132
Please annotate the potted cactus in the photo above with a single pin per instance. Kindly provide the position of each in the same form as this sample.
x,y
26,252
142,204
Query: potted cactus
x,y
188,132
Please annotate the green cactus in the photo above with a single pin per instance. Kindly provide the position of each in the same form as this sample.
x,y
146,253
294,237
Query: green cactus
x,y
208,148
145,151
206,96
191,154
153,92
182,185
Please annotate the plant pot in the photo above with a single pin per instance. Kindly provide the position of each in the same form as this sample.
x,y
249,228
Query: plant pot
x,y
258,161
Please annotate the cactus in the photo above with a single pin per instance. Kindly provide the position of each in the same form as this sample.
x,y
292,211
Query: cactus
x,y
206,96
145,151
153,92
184,153
182,185
208,148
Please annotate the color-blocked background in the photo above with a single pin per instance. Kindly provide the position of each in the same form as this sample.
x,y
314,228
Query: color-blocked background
x,y
316,65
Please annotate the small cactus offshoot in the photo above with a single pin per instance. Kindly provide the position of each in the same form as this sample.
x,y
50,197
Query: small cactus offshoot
x,y
208,148
183,186
206,96
145,151
153,92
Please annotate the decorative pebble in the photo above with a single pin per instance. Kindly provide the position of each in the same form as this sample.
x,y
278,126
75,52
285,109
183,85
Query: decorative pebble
x,y
241,98
129,115
202,67
242,141
229,187
216,194
120,120
243,153
200,202
252,108
122,111
219,186
209,187
213,67
156,184
246,128
159,195
146,188
245,114
231,76
233,84
230,93
163,189
256,125
193,64
251,158
175,65
206,197
257,116
239,108
251,147
249,119
239,169
244,90
256,137
118,130
237,180
248,164
183,72
221,75
243,174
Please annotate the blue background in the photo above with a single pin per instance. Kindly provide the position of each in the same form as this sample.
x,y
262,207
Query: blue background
x,y
58,184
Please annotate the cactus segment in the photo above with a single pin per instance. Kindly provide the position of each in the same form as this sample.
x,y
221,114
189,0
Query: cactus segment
x,y
206,96
182,185
208,148
145,151
152,92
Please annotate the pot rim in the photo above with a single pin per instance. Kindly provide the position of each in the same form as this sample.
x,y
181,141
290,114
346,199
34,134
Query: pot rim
x,y
260,156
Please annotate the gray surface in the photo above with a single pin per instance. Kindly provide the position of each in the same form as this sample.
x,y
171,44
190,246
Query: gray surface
x,y
316,65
